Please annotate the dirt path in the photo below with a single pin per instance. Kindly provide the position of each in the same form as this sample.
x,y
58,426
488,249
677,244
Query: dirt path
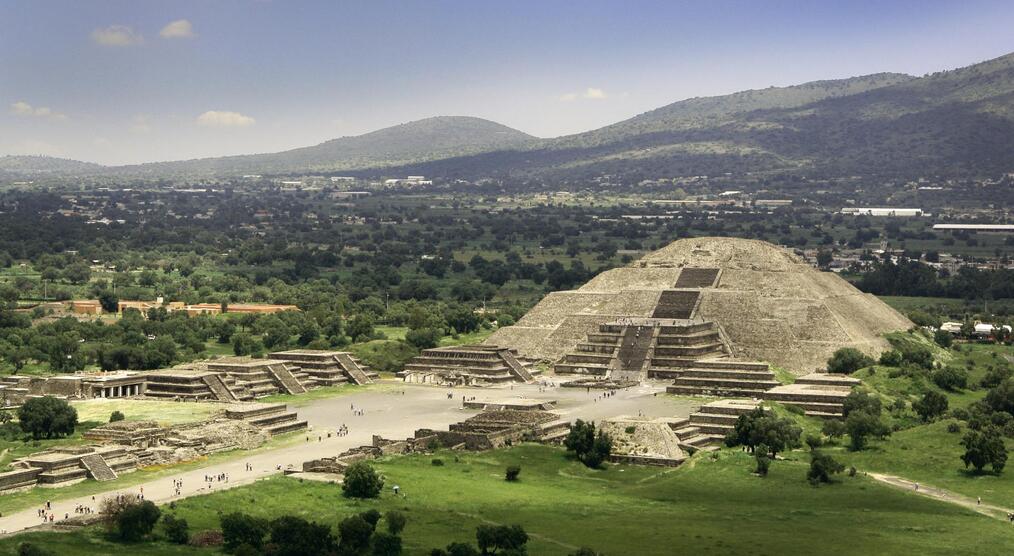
x,y
997,512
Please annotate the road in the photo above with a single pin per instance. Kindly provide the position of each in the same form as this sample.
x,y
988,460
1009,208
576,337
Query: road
x,y
392,413
922,489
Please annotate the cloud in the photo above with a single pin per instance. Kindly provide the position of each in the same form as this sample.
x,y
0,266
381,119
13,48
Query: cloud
x,y
22,108
591,93
117,35
179,29
218,118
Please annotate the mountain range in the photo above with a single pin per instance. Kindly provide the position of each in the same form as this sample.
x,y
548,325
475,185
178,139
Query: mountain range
x,y
953,123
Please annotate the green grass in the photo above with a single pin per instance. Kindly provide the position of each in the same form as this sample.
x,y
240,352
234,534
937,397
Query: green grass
x,y
707,506
165,413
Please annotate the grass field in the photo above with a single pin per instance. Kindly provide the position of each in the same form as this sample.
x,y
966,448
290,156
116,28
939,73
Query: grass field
x,y
165,413
707,506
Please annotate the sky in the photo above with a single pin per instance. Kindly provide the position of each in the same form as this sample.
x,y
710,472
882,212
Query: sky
x,y
122,82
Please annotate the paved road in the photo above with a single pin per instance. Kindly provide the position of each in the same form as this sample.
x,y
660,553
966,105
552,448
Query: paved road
x,y
392,413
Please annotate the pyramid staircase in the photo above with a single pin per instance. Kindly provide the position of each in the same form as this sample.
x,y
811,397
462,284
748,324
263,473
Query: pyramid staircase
x,y
221,392
516,368
97,467
352,368
284,377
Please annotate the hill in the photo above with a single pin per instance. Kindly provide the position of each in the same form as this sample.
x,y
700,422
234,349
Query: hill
x,y
953,123
32,165
413,142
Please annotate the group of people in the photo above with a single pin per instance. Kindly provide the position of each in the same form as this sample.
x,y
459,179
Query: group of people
x,y
357,412
178,486
82,509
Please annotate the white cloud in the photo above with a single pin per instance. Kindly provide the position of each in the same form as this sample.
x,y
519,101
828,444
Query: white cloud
x,y
179,29
117,35
218,118
22,108
591,93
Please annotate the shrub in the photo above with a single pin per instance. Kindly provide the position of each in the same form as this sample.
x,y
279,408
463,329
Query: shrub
x,y
822,466
177,530
204,539
372,517
995,375
395,522
759,427
890,358
355,534
240,529
424,338
813,442
47,417
960,413
1001,397
29,549
847,361
116,416
932,405
512,473
136,521
362,481
436,462
943,338
954,427
494,538
295,536
950,378
917,355
630,430
763,461
385,544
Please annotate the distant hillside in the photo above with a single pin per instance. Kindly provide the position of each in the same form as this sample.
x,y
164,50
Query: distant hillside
x,y
413,142
956,123
32,165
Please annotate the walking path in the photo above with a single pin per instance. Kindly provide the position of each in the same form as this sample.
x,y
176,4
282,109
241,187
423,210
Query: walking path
x,y
391,413
990,510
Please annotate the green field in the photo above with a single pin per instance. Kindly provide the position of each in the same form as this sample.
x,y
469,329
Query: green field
x,y
711,505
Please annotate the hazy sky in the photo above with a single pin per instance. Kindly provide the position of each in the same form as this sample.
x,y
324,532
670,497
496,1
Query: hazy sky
x,y
130,81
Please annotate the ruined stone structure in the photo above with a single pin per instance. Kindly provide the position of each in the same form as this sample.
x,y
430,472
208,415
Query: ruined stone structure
x,y
123,446
707,427
643,441
469,365
765,303
15,389
327,368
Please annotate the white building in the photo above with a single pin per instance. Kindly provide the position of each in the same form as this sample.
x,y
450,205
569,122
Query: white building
x,y
882,211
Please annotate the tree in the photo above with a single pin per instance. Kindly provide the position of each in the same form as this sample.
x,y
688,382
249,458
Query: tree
x,y
763,428
177,531
1001,397
355,534
824,258
362,481
943,338
590,448
136,521
116,416
847,361
933,404
109,302
424,338
386,544
395,522
763,461
295,536
77,273
950,378
244,344
239,529
984,447
833,428
492,538
47,417
360,327
891,358
860,426
822,466
858,400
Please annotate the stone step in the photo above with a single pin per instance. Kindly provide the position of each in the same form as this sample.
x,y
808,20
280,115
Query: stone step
x,y
288,426
97,467
730,374
581,369
677,351
720,364
815,396
824,379
716,429
275,419
725,382
714,392
713,418
819,407
687,431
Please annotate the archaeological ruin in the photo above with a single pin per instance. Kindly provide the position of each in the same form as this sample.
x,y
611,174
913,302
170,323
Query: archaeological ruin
x,y
469,365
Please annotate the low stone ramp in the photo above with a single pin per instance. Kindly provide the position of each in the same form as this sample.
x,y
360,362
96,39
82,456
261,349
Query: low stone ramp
x,y
516,368
219,389
284,377
354,371
98,468
633,352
